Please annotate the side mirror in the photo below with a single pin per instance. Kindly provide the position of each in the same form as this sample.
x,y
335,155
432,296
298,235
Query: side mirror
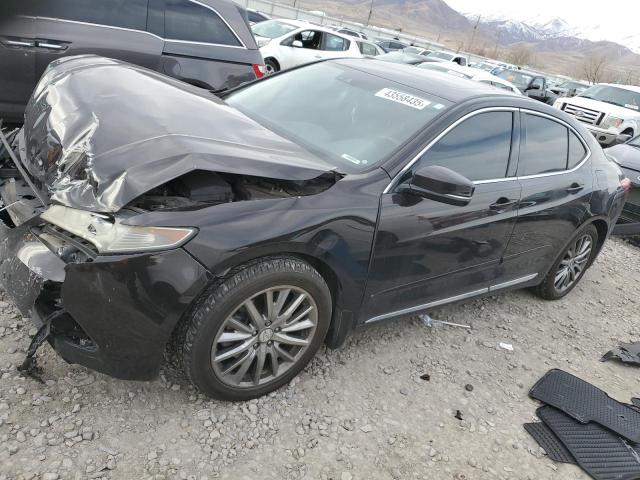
x,y
622,138
534,86
297,44
440,184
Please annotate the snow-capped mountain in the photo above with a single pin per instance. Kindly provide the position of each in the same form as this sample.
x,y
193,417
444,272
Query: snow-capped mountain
x,y
540,27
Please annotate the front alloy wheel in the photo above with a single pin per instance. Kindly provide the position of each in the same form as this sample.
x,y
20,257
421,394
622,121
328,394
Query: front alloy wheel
x,y
264,336
252,332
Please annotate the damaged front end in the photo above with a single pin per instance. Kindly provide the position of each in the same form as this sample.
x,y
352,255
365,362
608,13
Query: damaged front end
x,y
103,144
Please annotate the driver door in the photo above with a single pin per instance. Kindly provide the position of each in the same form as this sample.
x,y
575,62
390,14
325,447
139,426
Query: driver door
x,y
426,250
300,48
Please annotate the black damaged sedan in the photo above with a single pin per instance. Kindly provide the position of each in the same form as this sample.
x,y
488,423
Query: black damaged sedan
x,y
143,215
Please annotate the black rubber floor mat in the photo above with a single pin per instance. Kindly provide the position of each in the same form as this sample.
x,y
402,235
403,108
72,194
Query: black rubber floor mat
x,y
587,403
599,452
549,442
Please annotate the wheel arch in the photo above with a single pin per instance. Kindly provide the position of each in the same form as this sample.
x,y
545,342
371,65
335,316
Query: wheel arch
x,y
602,226
274,60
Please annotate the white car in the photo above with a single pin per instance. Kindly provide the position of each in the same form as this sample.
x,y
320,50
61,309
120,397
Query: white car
x,y
449,57
474,74
606,110
288,43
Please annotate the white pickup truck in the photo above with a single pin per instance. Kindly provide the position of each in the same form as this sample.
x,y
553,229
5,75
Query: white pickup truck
x,y
610,112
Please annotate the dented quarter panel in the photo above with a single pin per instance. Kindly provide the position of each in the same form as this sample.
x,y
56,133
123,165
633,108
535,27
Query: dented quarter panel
x,y
98,133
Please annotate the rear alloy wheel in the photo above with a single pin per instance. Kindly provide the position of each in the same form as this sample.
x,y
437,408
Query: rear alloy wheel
x,y
570,265
254,331
271,66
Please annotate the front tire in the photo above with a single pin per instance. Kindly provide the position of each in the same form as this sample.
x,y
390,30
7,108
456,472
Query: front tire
x,y
255,331
571,265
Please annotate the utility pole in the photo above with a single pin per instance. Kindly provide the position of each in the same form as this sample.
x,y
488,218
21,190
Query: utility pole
x,y
370,13
473,33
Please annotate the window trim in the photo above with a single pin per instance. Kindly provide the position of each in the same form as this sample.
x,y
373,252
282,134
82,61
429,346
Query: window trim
x,y
565,124
417,157
224,20
424,150
164,39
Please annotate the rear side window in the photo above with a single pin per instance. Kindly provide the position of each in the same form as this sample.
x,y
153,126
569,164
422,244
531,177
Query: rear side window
x,y
367,49
577,152
335,43
545,146
115,13
189,21
478,148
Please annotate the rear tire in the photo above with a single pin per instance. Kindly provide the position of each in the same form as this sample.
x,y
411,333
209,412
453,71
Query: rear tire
x,y
247,336
272,66
571,265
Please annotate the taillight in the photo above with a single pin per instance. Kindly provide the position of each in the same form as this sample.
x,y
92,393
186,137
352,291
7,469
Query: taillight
x,y
259,70
625,183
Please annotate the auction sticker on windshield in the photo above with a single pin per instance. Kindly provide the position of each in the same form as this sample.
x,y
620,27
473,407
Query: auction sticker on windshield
x,y
403,98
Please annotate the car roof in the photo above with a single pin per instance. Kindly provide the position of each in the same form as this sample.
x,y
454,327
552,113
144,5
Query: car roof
x,y
323,28
441,84
631,88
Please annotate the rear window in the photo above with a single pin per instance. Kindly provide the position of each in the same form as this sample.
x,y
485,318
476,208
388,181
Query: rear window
x,y
367,49
192,22
335,43
116,13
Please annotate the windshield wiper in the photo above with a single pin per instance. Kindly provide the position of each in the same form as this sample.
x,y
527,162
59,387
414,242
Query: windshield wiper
x,y
614,103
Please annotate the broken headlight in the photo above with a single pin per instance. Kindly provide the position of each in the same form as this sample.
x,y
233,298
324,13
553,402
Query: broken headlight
x,y
109,235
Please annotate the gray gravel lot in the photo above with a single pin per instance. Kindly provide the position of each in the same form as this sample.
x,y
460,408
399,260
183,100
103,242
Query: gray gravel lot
x,y
361,412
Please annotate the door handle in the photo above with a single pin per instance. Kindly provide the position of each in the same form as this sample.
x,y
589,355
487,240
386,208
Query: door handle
x,y
52,46
503,203
18,43
575,188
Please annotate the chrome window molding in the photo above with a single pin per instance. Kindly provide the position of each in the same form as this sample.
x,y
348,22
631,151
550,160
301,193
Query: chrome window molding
x,y
444,301
417,157
164,39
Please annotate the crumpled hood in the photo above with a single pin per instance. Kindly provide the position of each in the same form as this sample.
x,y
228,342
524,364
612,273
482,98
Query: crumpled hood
x,y
99,133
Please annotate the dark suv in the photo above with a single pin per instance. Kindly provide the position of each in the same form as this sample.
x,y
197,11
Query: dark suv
x,y
206,43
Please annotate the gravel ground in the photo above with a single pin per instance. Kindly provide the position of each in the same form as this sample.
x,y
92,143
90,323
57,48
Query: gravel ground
x,y
384,406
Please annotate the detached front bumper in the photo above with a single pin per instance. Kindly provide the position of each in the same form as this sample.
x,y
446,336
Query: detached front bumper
x,y
116,313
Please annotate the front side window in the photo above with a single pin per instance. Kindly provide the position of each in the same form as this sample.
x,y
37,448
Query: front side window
x,y
192,22
478,148
354,119
311,39
335,43
544,148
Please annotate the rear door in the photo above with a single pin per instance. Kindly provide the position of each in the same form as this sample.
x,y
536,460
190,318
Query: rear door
x,y
110,28
426,251
557,184
17,61
209,47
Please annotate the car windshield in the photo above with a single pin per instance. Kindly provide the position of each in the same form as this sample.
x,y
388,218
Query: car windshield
x,y
519,79
272,29
354,118
439,67
572,85
614,95
487,67
442,55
